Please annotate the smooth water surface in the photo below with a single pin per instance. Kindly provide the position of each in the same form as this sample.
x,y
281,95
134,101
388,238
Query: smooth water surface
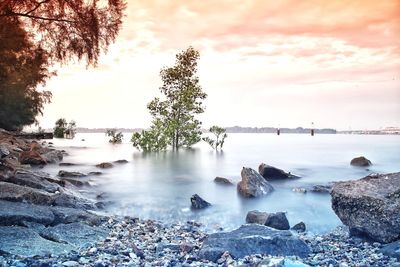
x,y
159,185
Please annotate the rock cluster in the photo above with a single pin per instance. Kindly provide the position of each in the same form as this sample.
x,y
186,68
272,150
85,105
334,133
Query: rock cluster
x,y
276,220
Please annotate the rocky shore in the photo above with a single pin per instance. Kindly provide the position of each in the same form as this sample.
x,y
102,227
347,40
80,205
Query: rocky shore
x,y
46,221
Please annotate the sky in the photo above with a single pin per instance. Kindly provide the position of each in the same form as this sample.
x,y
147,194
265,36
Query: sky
x,y
262,63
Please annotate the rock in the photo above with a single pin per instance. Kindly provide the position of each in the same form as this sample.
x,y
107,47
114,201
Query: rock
x,y
71,215
299,190
66,199
53,156
198,202
76,181
70,264
323,189
272,173
253,184
18,193
66,164
104,165
278,221
63,173
95,173
370,206
4,152
299,227
164,246
16,213
252,239
392,250
27,242
75,234
360,162
121,161
35,180
256,216
222,180
31,157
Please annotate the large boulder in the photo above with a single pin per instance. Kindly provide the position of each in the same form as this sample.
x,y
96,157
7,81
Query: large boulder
x,y
36,180
16,213
370,206
53,156
272,173
253,239
31,157
253,184
18,193
360,162
276,220
198,203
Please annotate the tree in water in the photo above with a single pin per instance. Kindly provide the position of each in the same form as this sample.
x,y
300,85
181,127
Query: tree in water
x,y
59,129
36,34
174,119
115,136
220,135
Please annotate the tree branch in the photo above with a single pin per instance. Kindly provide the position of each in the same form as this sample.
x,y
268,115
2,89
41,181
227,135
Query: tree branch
x,y
35,17
38,5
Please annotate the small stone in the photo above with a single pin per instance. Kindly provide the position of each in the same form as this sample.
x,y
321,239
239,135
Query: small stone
x,y
70,263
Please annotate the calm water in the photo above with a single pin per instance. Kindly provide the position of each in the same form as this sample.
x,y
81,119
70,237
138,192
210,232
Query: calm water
x,y
159,186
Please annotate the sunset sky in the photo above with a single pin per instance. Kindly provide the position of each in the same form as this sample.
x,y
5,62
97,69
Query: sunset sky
x,y
263,63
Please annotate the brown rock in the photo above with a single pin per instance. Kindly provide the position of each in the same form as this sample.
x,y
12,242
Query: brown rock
x,y
105,165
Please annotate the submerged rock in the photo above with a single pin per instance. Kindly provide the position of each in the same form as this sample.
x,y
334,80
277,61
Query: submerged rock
x,y
66,164
105,165
370,206
299,227
53,156
121,161
198,203
222,180
360,162
253,184
252,239
321,188
63,173
272,173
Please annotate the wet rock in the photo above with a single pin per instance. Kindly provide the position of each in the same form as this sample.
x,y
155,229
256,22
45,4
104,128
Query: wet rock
x,y
105,165
256,216
121,161
18,193
272,173
63,173
68,199
4,152
35,180
66,164
253,184
70,215
360,162
76,181
323,189
252,239
370,206
53,156
31,157
27,242
299,190
392,250
95,173
198,203
163,246
75,234
222,180
16,213
299,227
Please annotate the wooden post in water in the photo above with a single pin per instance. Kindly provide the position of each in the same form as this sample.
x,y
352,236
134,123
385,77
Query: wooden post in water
x,y
312,129
278,131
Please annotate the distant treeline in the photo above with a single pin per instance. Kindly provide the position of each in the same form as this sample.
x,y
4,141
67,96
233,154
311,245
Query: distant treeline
x,y
238,129
234,129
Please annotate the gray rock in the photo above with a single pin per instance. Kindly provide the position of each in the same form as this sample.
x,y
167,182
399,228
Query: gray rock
x,y
299,227
360,162
75,234
252,239
121,161
18,193
256,216
392,250
4,152
95,173
66,164
63,173
70,215
77,181
370,206
323,189
272,173
198,203
253,184
53,156
16,213
68,199
278,221
31,179
27,242
163,246
222,180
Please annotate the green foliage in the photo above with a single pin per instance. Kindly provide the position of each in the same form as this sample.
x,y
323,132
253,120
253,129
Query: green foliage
x,y
23,67
220,135
176,115
153,139
116,137
63,128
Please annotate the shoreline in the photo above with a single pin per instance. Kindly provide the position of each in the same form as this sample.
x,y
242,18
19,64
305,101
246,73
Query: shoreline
x,y
127,241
